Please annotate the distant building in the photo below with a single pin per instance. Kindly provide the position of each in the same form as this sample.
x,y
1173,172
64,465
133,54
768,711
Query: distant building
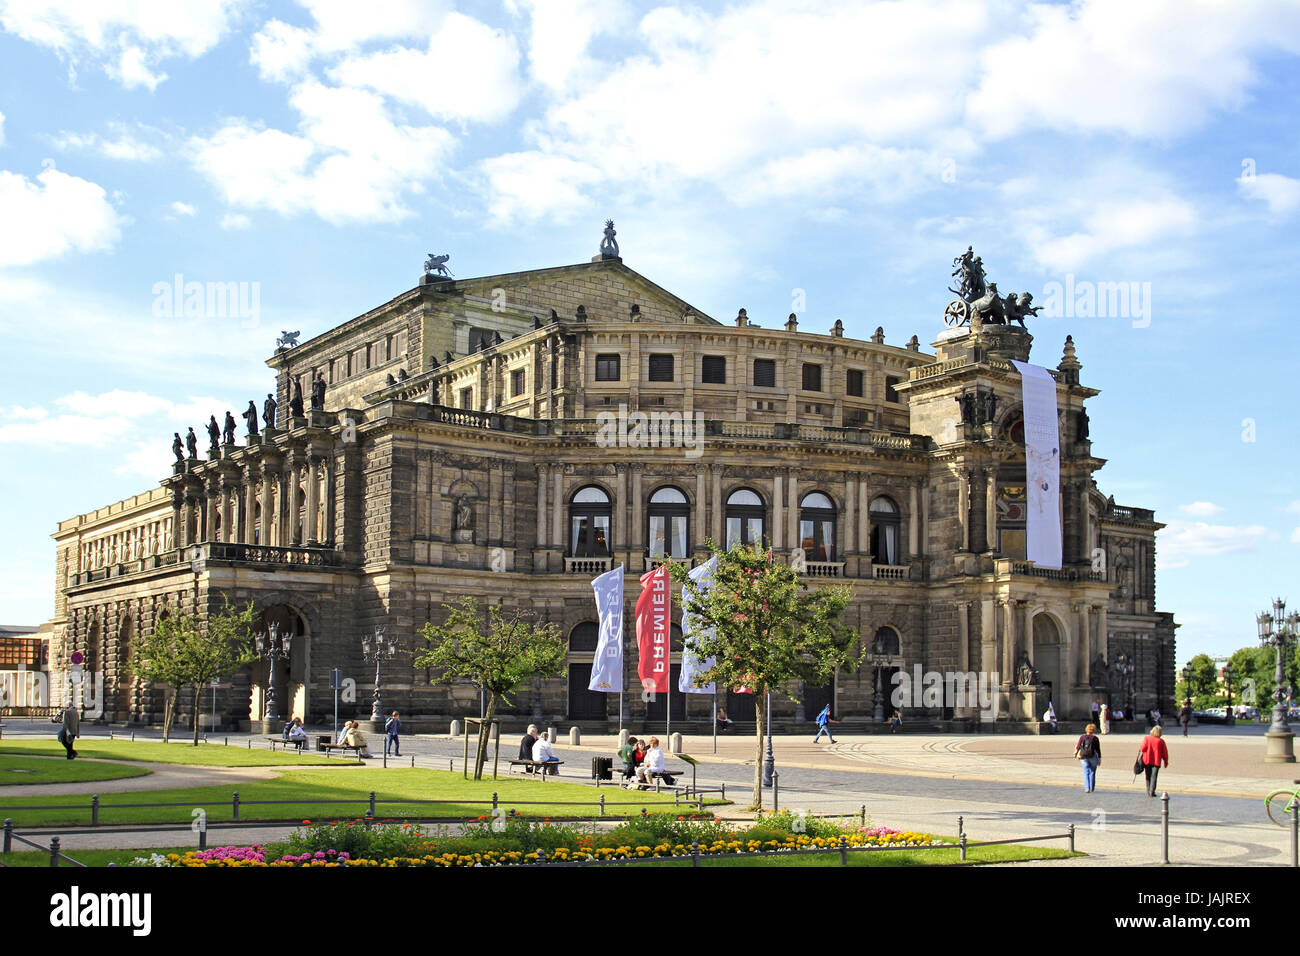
x,y
24,654
512,436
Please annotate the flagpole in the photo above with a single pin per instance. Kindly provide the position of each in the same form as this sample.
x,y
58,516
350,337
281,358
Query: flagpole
x,y
715,718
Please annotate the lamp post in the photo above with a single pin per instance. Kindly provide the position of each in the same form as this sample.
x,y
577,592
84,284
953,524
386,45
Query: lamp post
x,y
1187,686
1227,681
877,664
769,759
374,650
270,646
1278,630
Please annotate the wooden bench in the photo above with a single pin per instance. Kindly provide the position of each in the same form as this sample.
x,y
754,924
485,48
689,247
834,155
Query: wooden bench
x,y
534,764
287,742
329,748
657,776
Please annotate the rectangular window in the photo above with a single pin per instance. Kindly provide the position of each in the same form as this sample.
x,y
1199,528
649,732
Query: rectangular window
x,y
891,393
713,370
765,373
668,536
467,398
661,368
854,383
812,377
517,379
607,368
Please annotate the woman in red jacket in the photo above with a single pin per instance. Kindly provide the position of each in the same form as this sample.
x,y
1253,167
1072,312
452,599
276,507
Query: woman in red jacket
x,y
1154,754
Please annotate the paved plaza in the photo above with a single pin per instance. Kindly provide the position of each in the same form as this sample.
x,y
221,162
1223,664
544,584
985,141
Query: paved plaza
x,y
1003,787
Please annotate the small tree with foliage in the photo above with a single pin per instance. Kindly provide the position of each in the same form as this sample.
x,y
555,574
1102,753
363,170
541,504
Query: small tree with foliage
x,y
765,628
184,649
1203,684
498,651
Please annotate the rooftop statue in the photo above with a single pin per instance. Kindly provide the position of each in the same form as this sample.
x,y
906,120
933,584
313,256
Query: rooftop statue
x,y
269,408
228,429
979,301
287,340
214,432
192,443
177,447
437,265
250,417
609,245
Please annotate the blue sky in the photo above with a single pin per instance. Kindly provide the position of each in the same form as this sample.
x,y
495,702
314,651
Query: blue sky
x,y
317,151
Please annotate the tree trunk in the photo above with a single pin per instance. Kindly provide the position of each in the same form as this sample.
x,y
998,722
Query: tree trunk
x,y
198,689
484,735
169,711
760,715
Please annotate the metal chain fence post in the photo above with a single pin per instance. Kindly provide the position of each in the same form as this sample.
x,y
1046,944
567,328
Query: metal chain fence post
x,y
1071,831
1164,826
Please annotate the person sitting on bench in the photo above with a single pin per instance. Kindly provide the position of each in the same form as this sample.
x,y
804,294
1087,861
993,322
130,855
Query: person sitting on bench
x,y
627,754
356,738
526,746
652,765
297,735
542,753
724,722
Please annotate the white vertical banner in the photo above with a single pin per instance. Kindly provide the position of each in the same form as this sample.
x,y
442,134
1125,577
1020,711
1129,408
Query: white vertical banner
x,y
1042,466
692,665
607,666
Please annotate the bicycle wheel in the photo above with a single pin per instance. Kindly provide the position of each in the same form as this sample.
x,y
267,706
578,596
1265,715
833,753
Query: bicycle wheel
x,y
1281,805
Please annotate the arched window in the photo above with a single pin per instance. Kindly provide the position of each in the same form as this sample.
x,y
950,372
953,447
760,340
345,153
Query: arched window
x,y
886,642
668,517
584,637
589,523
746,519
817,527
884,531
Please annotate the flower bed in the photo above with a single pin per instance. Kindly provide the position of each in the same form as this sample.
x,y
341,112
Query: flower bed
x,y
513,842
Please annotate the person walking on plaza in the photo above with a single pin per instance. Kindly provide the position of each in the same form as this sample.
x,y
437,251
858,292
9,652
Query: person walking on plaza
x,y
1095,711
1153,755
1185,717
1088,752
824,722
1105,718
71,729
392,728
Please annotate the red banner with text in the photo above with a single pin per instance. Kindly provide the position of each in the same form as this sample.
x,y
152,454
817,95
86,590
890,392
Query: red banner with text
x,y
653,634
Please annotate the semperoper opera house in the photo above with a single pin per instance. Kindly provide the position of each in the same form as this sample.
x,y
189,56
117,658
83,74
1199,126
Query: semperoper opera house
x,y
513,436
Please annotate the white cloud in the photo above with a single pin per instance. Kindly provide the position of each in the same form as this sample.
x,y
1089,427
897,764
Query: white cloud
x,y
183,208
1282,193
349,162
54,215
1180,541
1295,536
18,411
127,38
1293,508
121,143
468,72
1201,509
1156,68
93,421
560,32
533,184
235,221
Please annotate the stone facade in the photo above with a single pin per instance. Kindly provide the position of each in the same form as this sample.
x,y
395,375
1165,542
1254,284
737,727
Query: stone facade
x,y
464,417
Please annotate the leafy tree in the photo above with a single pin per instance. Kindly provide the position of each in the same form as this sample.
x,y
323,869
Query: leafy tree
x,y
498,654
1205,691
764,629
184,649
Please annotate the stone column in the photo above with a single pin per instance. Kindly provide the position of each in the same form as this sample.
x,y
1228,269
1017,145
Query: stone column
x,y
250,505
637,536
178,522
1009,640
991,510
700,523
289,502
620,510
328,479
963,506
914,520
719,506
850,517
864,517
264,532
543,474
229,525
792,519
1083,643
1102,643
557,510
313,501
778,514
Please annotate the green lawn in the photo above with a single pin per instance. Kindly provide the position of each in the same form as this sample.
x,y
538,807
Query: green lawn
x,y
19,770
179,752
1002,853
305,786
40,858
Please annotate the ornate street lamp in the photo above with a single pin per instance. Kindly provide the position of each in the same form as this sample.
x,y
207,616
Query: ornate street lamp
x,y
878,697
271,647
375,650
1187,686
1279,630
769,759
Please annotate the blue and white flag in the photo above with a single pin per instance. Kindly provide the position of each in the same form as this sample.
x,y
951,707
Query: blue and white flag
x,y
1042,466
692,665
607,667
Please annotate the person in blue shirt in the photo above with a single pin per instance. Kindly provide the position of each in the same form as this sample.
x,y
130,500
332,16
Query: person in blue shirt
x,y
393,727
823,724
